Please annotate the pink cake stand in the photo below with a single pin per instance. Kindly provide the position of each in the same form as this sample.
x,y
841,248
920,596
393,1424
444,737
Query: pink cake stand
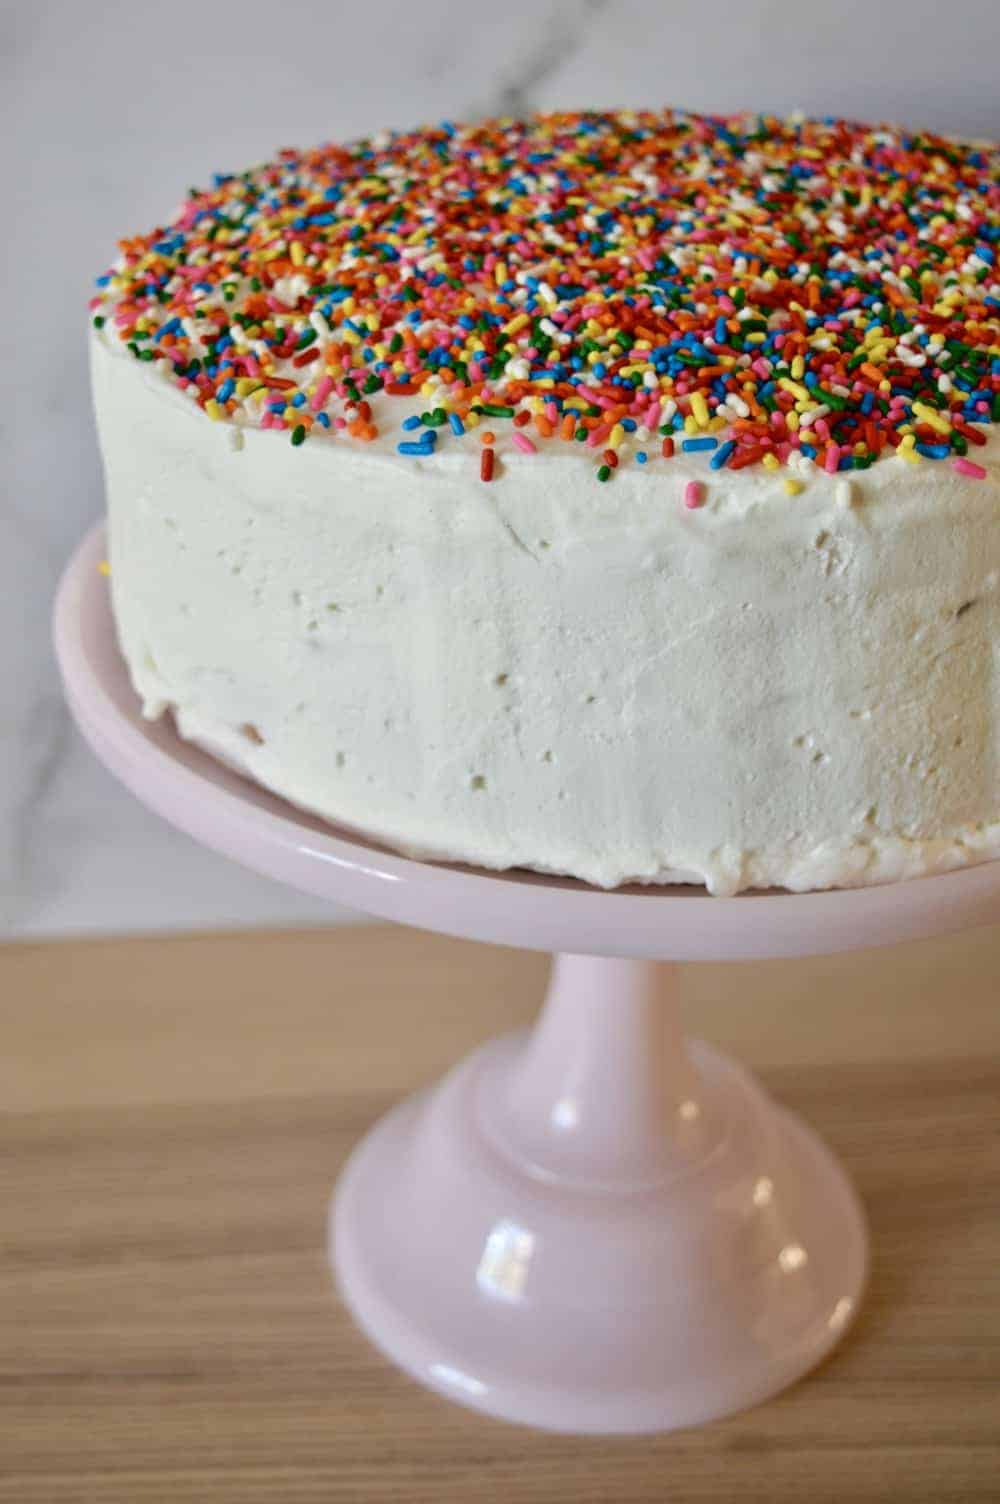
x,y
596,1226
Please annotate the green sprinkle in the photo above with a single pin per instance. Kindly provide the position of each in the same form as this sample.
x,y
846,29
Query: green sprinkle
x,y
604,473
298,435
496,410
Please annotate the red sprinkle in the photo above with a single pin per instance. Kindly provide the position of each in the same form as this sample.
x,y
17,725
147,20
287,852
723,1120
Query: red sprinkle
x,y
974,435
486,464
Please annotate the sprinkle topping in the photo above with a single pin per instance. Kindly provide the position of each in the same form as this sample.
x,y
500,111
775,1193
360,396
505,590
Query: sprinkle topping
x,y
769,290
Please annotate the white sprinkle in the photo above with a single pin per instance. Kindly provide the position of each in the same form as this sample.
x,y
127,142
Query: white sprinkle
x,y
844,494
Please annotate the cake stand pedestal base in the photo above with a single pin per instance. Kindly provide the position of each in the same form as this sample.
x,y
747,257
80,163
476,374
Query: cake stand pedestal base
x,y
597,1227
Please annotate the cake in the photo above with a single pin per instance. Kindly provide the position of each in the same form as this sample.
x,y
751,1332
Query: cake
x,y
612,495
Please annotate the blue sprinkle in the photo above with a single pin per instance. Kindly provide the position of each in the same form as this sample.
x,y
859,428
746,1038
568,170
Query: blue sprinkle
x,y
721,455
226,390
457,426
934,451
323,418
629,425
641,456
413,448
694,446
721,332
409,423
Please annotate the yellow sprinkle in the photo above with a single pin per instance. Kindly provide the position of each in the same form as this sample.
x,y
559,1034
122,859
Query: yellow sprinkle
x,y
500,273
931,416
771,462
792,419
616,436
104,567
798,368
215,412
690,426
472,421
801,392
516,324
793,487
699,409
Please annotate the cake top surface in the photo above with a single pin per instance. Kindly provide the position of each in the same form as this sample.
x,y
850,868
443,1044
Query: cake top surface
x,y
770,292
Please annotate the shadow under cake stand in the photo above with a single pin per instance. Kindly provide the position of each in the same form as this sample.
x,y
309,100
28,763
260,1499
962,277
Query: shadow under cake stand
x,y
596,1225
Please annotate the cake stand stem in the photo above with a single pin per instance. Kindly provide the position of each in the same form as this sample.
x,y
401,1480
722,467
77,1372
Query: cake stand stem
x,y
603,1089
594,1226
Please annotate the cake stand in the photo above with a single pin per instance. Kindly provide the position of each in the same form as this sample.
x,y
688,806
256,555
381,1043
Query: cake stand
x,y
595,1226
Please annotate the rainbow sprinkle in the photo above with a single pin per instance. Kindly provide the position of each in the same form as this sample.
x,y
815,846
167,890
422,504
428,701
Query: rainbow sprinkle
x,y
760,288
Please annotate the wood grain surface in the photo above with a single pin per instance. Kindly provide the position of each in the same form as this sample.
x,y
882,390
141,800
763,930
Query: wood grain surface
x,y
175,1111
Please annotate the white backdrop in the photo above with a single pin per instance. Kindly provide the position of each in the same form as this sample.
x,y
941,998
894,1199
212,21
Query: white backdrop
x,y
108,111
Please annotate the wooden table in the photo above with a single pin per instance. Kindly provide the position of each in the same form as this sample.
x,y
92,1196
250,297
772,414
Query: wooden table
x,y
175,1113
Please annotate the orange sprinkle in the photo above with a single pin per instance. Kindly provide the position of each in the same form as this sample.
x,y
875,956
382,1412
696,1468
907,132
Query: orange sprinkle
x,y
487,437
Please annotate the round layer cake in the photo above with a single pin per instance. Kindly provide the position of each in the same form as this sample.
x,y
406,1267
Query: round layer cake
x,y
608,494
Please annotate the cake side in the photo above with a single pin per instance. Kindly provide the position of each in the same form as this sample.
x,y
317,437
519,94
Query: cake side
x,y
770,689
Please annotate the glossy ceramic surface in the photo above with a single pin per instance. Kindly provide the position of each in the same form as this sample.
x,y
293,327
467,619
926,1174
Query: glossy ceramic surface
x,y
593,1227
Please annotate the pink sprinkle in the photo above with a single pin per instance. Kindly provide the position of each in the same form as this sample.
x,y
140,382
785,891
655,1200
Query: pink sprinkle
x,y
321,393
521,441
831,459
598,435
969,467
694,494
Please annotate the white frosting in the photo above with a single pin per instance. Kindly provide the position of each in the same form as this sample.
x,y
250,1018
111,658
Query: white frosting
x,y
548,672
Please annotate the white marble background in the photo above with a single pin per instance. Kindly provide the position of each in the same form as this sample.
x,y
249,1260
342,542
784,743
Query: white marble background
x,y
109,110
